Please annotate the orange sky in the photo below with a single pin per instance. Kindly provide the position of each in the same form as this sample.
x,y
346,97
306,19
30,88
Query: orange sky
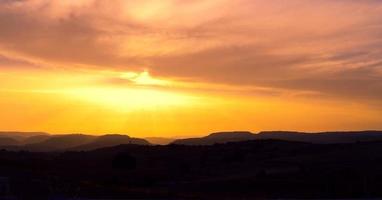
x,y
182,68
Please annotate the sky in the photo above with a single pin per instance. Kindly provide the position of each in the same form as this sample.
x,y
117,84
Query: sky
x,y
176,68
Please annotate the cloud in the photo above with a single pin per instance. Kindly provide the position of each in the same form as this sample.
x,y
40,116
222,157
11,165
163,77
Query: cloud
x,y
11,63
329,47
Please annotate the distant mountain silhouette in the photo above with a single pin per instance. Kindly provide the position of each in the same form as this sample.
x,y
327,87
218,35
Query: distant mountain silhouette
x,y
35,139
7,141
159,140
20,135
110,140
220,137
60,142
73,142
39,141
321,138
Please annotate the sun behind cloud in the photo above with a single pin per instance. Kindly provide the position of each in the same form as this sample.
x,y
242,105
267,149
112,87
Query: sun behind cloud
x,y
143,78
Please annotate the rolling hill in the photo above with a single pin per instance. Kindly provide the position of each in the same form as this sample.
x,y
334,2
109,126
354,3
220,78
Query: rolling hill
x,y
72,142
319,138
20,135
323,137
5,141
108,141
35,139
60,142
159,140
220,137
38,141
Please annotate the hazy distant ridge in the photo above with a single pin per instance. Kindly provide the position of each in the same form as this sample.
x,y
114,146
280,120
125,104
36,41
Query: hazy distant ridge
x,y
321,138
75,142
220,137
36,141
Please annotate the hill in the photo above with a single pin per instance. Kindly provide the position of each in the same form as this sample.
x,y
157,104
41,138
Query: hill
x,y
108,141
7,141
323,137
319,138
39,141
20,135
74,142
256,169
219,137
35,139
159,140
60,142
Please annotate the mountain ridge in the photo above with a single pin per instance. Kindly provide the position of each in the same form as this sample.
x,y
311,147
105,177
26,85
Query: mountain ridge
x,y
68,142
83,142
318,137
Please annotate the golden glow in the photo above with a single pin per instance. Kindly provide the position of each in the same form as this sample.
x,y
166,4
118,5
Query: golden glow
x,y
189,67
130,98
65,102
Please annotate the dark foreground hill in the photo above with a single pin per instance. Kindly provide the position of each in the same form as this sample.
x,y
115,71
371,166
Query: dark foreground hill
x,y
257,169
320,138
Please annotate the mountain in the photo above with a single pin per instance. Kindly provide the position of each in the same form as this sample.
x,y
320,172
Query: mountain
x,y
7,141
60,142
20,135
323,137
35,139
110,140
319,138
39,141
159,140
219,137
78,142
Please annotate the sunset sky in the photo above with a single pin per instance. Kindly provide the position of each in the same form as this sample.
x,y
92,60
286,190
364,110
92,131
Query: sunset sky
x,y
190,67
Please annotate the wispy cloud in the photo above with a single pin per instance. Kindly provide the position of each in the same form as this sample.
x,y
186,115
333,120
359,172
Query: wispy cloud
x,y
329,47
